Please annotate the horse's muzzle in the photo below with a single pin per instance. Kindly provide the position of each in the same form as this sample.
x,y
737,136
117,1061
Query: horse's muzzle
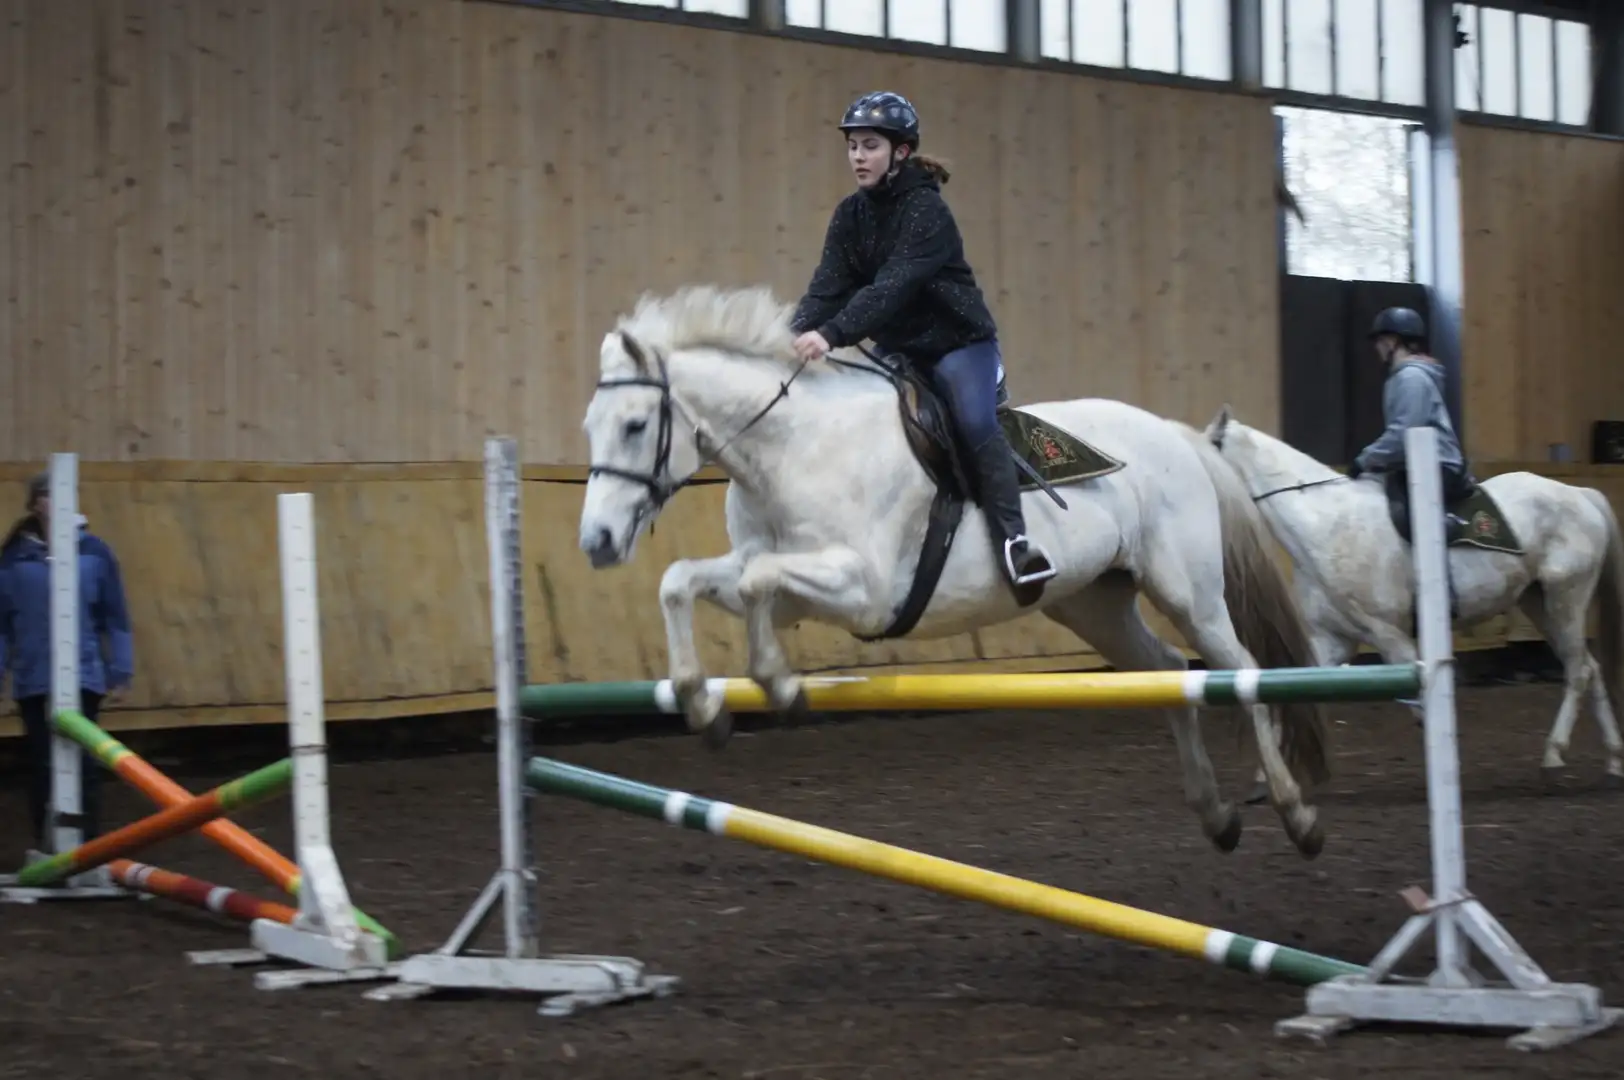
x,y
600,547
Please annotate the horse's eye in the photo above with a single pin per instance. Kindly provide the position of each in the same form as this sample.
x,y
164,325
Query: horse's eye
x,y
635,428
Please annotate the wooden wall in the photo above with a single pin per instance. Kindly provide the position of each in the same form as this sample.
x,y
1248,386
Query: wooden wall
x,y
358,231
405,607
1543,223
404,592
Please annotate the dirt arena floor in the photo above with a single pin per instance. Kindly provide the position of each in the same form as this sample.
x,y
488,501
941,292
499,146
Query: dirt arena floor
x,y
796,971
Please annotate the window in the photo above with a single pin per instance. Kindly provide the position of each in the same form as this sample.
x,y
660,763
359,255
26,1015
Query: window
x,y
963,24
1350,174
738,9
1522,65
1365,49
1179,37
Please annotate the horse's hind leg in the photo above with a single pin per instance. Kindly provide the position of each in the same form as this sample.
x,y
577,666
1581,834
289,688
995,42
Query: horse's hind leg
x,y
1202,616
1557,612
1106,616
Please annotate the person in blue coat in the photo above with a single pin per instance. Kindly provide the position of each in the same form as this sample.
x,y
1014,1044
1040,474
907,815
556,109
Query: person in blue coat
x,y
106,653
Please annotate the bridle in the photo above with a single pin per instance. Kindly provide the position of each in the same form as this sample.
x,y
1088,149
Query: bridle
x,y
1219,444
661,487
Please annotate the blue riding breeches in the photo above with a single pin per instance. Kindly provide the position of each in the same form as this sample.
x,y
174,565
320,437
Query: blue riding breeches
x,y
967,379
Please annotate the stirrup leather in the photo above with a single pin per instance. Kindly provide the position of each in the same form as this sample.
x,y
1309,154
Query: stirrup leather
x,y
1033,547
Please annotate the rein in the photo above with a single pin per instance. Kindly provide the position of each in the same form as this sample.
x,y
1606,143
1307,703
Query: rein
x,y
1297,487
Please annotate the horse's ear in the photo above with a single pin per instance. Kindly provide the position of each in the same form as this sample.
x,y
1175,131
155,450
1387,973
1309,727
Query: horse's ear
x,y
634,349
1215,430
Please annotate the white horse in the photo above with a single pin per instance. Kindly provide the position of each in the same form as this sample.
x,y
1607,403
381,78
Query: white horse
x,y
827,506
1353,571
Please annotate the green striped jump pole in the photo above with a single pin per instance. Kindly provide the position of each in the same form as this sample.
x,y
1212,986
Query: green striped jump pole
x,y
1119,921
1060,690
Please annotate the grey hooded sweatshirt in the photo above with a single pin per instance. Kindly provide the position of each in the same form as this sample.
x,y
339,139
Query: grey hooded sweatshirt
x,y
1413,397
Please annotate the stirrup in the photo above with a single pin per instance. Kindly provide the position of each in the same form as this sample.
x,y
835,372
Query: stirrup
x,y
1033,547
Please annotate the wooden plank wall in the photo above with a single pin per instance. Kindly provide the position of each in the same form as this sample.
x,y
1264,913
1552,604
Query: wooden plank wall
x,y
353,231
405,608
1543,357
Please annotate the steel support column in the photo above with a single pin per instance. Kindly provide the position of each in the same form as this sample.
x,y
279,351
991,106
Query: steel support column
x,y
1246,43
1023,39
1436,222
767,14
1607,66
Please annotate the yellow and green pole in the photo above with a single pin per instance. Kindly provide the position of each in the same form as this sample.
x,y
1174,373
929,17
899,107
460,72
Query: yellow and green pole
x,y
183,817
683,810
155,785
1058,690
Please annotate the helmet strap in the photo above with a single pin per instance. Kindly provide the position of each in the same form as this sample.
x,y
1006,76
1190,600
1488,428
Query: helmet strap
x,y
896,162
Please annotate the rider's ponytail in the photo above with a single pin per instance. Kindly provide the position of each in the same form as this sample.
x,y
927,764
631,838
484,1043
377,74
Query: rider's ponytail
x,y
933,165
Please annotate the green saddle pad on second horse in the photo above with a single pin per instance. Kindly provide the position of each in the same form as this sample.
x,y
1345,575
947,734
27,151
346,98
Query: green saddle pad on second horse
x,y
1485,527
1057,456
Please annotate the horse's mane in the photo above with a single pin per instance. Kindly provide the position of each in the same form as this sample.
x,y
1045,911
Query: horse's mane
x,y
751,321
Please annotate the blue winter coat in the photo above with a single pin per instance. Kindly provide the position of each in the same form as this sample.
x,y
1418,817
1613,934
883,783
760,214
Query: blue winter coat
x,y
25,616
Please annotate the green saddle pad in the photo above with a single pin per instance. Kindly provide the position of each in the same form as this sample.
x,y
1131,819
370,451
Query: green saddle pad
x,y
1486,527
1057,456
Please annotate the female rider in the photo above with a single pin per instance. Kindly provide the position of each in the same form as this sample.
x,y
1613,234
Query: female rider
x,y
893,270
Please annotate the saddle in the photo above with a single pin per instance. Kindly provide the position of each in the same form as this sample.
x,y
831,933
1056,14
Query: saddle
x,y
933,438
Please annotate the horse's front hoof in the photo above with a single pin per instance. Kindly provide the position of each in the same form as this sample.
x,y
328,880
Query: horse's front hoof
x,y
1311,842
717,733
1228,838
795,706
1550,778
1259,794
1612,782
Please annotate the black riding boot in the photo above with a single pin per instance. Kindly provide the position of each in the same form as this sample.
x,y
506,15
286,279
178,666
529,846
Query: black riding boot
x,y
1398,496
1024,560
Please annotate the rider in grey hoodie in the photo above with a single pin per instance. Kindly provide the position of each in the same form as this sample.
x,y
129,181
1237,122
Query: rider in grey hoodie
x,y
1412,397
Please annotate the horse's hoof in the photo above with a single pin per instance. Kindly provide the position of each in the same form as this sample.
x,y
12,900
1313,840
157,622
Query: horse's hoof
x,y
1312,841
1612,782
1228,838
1550,778
719,730
1259,795
797,707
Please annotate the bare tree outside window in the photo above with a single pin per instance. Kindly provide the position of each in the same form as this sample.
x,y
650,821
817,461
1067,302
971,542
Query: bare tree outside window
x,y
1350,175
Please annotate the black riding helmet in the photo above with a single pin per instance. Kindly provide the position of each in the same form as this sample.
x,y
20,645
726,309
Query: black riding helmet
x,y
1403,323
887,112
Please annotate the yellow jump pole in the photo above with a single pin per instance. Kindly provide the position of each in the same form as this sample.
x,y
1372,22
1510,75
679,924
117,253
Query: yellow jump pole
x,y
1119,921
1061,690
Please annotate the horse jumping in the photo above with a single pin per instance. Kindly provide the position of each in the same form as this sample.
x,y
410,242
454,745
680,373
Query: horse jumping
x,y
829,510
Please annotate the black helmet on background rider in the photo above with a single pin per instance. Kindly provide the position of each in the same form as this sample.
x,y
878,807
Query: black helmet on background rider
x,y
884,111
1402,323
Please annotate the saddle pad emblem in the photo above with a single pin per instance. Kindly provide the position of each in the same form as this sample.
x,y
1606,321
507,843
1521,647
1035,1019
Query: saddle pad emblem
x,y
1046,446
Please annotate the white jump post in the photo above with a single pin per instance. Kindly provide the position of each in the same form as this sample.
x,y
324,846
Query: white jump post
x,y
567,982
1547,1014
324,938
64,814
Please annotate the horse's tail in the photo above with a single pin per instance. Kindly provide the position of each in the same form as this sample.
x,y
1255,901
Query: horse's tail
x,y
1267,618
1610,599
